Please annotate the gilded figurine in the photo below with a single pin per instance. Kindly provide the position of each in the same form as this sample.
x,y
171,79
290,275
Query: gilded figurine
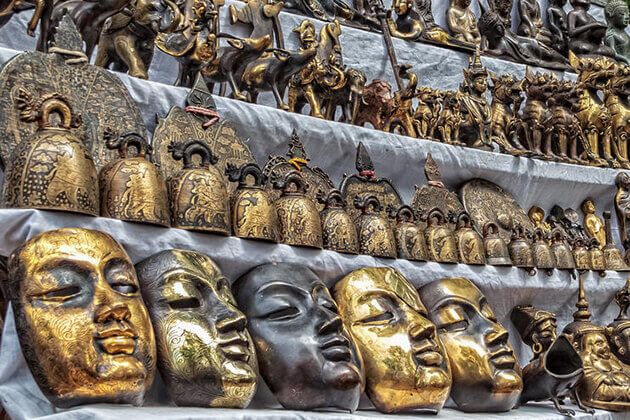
x,y
462,22
474,130
618,331
585,33
593,224
506,101
622,207
617,15
531,25
406,366
557,22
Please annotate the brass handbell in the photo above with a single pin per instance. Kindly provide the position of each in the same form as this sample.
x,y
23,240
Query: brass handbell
x,y
198,193
561,251
53,170
300,224
132,188
497,252
440,239
470,245
520,249
338,230
409,238
253,212
581,255
612,254
543,254
376,236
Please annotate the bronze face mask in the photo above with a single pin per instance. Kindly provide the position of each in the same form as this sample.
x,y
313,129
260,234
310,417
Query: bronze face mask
x,y
205,354
406,364
486,376
305,355
83,327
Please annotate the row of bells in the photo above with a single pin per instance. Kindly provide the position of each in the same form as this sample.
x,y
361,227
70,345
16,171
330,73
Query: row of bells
x,y
55,171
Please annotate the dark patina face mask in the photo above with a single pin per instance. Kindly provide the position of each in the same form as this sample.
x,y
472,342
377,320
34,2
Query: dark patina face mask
x,y
305,356
205,354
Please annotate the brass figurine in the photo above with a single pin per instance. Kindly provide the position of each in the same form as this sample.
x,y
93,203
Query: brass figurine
x,y
440,240
376,236
205,354
306,356
462,22
593,224
338,230
474,130
406,366
585,33
617,39
52,170
497,252
410,240
486,375
131,188
470,245
618,331
198,194
84,330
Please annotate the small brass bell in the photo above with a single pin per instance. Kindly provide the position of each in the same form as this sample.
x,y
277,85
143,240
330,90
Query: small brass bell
x,y
409,238
561,251
132,188
598,261
376,236
543,255
338,230
470,245
520,249
53,170
581,255
497,252
300,224
199,196
253,212
612,254
440,239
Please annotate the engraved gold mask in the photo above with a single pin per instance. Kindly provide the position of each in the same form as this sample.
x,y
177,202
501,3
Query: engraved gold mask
x,y
486,375
82,324
205,354
405,362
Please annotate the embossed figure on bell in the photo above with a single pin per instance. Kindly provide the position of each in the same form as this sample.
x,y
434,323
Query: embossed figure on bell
x,y
593,224
199,197
205,354
406,366
53,170
306,356
83,327
618,331
132,189
617,16
486,375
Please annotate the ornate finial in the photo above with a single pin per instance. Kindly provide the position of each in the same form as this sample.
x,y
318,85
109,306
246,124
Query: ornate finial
x,y
364,161
66,40
622,299
582,314
432,172
199,95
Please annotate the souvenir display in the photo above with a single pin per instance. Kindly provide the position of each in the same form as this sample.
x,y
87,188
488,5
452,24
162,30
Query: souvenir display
x,y
85,332
305,355
606,381
200,120
205,354
441,242
376,236
406,367
593,224
470,245
51,170
198,193
486,375
475,109
131,188
299,220
338,230
497,252
556,368
585,33
254,215
96,95
618,331
410,240
462,22
617,38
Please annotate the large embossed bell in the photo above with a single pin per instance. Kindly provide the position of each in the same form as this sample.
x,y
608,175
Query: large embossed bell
x,y
338,230
132,188
253,212
581,255
561,251
376,236
520,249
598,261
53,170
409,238
440,240
470,246
300,224
497,252
543,254
199,196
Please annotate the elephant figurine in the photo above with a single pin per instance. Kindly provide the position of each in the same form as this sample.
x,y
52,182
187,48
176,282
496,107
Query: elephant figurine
x,y
128,38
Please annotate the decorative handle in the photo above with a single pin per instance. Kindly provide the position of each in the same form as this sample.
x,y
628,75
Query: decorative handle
x,y
437,215
59,106
488,226
186,151
405,214
125,141
292,178
240,174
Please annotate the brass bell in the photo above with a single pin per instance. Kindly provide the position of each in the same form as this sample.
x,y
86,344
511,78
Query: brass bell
x,y
338,230
543,254
520,249
409,238
376,236
199,196
470,245
612,254
581,255
253,211
561,251
53,170
440,239
300,224
598,261
497,252
132,188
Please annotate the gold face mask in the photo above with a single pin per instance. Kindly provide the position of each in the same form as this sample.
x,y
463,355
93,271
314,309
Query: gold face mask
x,y
83,327
486,375
205,354
406,365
